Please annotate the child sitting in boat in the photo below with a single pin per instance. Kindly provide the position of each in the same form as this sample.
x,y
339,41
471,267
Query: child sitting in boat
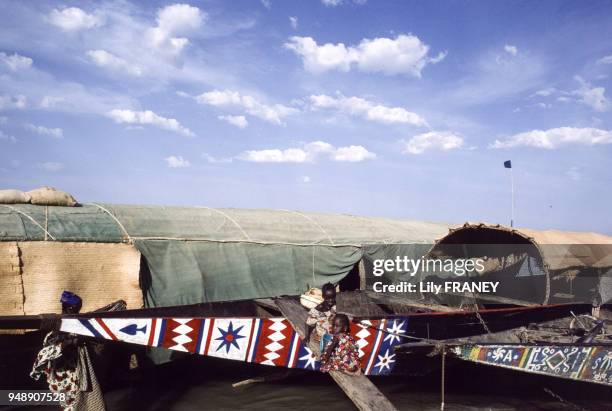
x,y
320,316
342,352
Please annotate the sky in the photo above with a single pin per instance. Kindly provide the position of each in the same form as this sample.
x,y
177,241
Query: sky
x,y
401,109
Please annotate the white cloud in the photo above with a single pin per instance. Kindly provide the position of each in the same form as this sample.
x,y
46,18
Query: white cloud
x,y
510,49
9,102
335,3
593,97
605,60
556,137
433,140
174,21
305,179
290,155
148,117
103,58
353,154
308,153
46,131
357,106
51,166
267,4
318,59
51,101
6,137
542,105
406,54
228,99
238,121
294,22
212,159
177,162
545,92
73,19
15,62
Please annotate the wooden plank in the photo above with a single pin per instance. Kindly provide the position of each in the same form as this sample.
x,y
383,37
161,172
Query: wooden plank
x,y
358,388
267,303
363,283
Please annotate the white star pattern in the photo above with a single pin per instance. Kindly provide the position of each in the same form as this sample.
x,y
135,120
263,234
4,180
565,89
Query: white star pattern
x,y
396,328
309,357
385,361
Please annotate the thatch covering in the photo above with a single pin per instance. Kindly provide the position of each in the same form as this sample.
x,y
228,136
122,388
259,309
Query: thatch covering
x,y
34,274
11,283
101,273
560,250
568,266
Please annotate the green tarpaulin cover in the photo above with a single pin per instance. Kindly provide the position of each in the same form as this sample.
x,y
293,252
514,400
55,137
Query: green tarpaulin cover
x,y
200,254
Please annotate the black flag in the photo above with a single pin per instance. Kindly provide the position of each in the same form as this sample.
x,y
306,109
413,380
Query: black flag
x,y
508,164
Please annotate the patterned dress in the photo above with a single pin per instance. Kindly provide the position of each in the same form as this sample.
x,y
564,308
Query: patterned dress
x,y
321,320
69,371
345,356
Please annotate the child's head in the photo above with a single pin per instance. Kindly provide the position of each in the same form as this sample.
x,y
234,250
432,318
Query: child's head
x,y
329,293
340,324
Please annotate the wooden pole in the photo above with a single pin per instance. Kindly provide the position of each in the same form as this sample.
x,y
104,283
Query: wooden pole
x,y
362,275
512,191
442,382
358,388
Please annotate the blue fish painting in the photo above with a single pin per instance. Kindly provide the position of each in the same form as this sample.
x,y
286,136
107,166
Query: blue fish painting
x,y
132,329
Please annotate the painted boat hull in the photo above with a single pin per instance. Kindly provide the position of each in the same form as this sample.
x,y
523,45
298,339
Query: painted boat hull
x,y
582,363
266,341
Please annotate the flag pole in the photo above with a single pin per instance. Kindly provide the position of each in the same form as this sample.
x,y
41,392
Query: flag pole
x,y
508,164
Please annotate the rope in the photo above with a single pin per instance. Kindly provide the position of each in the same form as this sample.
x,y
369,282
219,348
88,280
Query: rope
x,y
484,325
313,265
31,219
478,316
214,240
229,218
312,221
46,221
398,334
116,220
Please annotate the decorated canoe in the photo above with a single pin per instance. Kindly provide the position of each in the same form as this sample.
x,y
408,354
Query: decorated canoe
x,y
266,341
575,362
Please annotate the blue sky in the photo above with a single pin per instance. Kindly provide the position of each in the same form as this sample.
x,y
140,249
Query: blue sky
x,y
400,109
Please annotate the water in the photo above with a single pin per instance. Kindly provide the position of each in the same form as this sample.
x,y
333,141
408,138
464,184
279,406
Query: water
x,y
202,383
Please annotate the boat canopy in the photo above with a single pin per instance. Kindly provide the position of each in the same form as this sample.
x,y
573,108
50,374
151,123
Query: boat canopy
x,y
201,254
574,266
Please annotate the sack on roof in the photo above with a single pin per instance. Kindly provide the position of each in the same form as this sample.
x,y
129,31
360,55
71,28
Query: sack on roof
x,y
51,196
311,298
14,197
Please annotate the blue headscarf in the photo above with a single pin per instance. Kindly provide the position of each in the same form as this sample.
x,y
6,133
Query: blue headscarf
x,y
70,298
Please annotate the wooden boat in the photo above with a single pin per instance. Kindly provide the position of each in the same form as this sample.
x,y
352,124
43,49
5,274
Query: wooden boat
x,y
585,362
259,331
577,347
